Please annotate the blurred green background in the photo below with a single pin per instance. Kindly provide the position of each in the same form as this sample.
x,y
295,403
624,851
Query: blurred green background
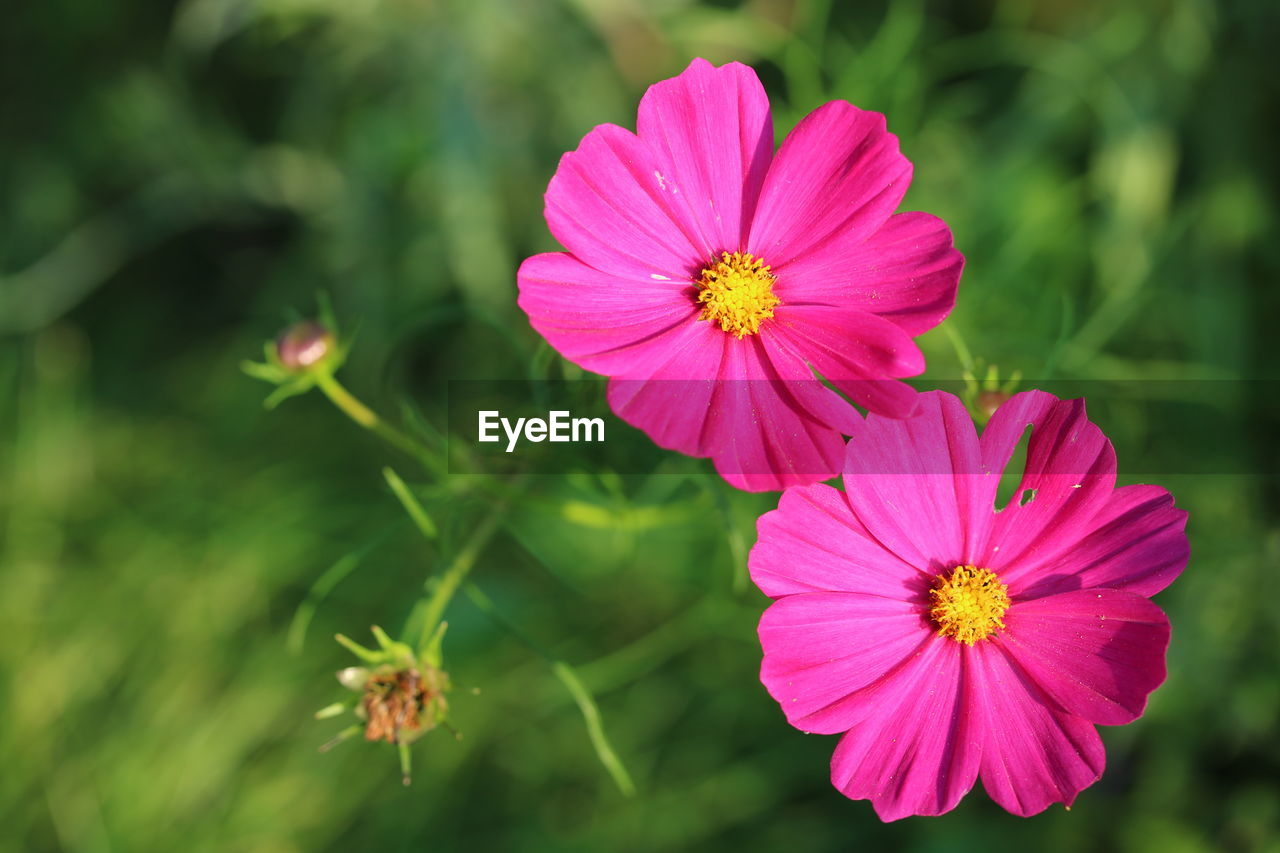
x,y
177,179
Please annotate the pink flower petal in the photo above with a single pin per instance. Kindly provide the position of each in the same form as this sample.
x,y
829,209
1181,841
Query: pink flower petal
x,y
603,322
837,177
813,542
806,390
821,648
1070,475
764,436
911,482
1033,755
907,272
764,420
856,351
1138,543
713,132
1097,652
917,749
612,208
669,397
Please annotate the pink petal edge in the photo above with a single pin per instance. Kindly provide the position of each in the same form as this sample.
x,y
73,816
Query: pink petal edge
x,y
712,131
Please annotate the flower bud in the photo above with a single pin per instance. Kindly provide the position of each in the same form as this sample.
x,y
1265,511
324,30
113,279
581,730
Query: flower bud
x,y
989,401
304,345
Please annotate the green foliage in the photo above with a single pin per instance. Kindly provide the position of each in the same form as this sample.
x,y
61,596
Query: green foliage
x,y
176,179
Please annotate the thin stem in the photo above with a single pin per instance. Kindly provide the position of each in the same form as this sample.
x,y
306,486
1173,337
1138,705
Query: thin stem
x,y
958,344
595,728
345,735
367,418
406,763
579,692
456,572
737,548
417,514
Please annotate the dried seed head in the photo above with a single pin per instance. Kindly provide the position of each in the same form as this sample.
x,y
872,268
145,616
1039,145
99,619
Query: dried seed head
x,y
401,705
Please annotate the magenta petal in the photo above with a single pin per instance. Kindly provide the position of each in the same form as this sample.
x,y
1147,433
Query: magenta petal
x,y
1138,543
856,351
999,440
845,343
737,441
886,397
819,648
713,132
1097,652
759,414
806,390
764,433
907,272
610,205
1069,476
813,542
917,752
910,482
606,323
669,397
1033,754
838,176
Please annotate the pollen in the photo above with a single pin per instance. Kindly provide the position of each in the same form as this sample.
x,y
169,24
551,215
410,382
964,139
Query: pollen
x,y
969,604
737,293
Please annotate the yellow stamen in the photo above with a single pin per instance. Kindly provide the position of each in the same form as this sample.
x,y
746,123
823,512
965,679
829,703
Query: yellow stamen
x,y
968,604
737,293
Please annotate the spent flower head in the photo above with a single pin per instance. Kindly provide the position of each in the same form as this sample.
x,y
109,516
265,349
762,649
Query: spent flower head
x,y
400,695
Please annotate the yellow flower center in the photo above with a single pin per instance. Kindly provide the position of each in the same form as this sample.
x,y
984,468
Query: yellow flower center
x,y
737,293
968,604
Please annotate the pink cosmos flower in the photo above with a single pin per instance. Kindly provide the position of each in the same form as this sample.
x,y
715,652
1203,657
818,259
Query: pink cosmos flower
x,y
949,639
710,278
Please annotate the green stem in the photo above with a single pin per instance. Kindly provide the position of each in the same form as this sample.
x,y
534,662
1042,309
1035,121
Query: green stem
x,y
406,763
579,692
417,514
958,344
456,572
367,418
595,728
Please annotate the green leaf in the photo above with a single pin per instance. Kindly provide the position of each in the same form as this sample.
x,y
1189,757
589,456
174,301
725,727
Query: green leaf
x,y
323,585
421,520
